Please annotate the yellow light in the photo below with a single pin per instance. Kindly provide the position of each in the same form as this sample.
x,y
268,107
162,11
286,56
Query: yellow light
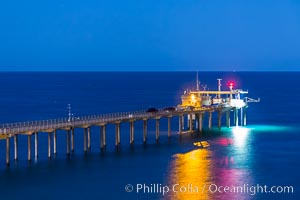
x,y
193,98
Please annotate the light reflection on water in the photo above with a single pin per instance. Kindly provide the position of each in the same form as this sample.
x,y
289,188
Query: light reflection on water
x,y
223,163
240,135
190,170
269,128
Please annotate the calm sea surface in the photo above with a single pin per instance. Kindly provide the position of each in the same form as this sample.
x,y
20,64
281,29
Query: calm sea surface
x,y
265,152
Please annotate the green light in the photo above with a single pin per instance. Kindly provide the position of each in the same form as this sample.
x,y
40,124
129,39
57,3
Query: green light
x,y
269,128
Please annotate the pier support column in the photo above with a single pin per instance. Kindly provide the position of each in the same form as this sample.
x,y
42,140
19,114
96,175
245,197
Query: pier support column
x,y
16,146
180,124
191,122
236,117
187,122
89,138
228,118
219,119
169,126
7,151
36,145
102,136
245,117
200,122
131,132
29,147
72,139
241,118
145,131
68,142
196,122
157,129
54,142
209,120
49,144
84,139
117,137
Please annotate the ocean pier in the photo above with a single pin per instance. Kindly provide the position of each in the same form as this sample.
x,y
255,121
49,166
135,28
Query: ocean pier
x,y
195,106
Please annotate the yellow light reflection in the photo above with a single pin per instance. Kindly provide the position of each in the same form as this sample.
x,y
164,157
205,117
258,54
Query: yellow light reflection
x,y
190,171
202,144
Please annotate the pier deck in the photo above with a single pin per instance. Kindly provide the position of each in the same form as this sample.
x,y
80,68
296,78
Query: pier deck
x,y
30,127
33,128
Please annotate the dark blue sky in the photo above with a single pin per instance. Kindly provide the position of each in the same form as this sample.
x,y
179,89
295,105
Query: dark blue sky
x,y
150,35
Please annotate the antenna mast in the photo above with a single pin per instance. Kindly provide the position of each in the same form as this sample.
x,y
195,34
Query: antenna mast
x,y
197,81
69,113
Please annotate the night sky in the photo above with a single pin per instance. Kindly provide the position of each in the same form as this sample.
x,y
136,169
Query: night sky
x,y
156,35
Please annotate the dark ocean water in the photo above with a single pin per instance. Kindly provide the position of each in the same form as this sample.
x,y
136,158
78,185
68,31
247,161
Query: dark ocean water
x,y
266,152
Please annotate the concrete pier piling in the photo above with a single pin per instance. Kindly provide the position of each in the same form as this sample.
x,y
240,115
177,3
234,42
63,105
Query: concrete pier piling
x,y
16,146
182,127
180,117
89,138
157,129
210,120
102,136
236,117
169,126
191,122
49,144
117,137
245,117
36,145
54,142
228,118
29,147
241,116
68,142
145,131
131,140
200,122
7,151
187,122
219,119
72,138
84,139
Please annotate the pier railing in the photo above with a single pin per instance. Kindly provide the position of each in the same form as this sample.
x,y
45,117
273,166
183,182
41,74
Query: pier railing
x,y
65,122
90,120
32,126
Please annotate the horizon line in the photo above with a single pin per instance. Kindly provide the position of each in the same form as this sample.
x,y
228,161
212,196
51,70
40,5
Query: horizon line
x,y
1,71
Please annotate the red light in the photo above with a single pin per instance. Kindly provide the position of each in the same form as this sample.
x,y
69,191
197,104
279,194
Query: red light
x,y
231,84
